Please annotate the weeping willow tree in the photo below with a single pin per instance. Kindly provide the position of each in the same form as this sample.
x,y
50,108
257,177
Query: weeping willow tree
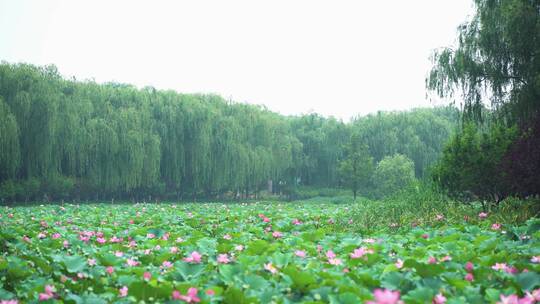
x,y
63,139
496,61
496,68
9,143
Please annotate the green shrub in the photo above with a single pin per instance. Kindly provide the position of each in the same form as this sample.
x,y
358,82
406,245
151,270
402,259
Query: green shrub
x,y
392,174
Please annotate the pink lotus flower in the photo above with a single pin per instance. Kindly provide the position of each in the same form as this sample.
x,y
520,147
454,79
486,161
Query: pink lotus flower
x,y
49,289
469,277
174,249
399,264
45,297
439,299
110,269
195,258
119,254
167,264
445,258
527,299
482,215
101,240
296,222
369,241
300,253
277,234
65,244
123,291
91,262
511,299
330,254
41,235
270,268
535,259
469,267
425,236
150,235
239,248
346,270
190,297
223,259
210,292
56,236
49,293
165,237
147,276
439,217
360,252
499,266
496,226
536,294
511,270
266,220
385,297
227,237
114,239
334,261
26,239
9,301
132,262
432,260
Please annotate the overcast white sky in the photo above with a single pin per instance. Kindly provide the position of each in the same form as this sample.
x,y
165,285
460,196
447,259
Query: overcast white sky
x,y
333,57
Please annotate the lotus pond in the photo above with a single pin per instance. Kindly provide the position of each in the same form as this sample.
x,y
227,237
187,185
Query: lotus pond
x,y
259,253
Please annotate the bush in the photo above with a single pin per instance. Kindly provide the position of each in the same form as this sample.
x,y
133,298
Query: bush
x,y
30,189
470,168
9,190
392,174
60,186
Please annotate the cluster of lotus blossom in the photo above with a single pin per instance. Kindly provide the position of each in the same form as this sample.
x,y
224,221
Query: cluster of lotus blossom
x,y
380,296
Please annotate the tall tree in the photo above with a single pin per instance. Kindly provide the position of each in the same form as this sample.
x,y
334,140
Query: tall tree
x,y
496,66
356,169
497,59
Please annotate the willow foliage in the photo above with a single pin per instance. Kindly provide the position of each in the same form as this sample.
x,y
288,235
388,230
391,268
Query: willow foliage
x,y
65,139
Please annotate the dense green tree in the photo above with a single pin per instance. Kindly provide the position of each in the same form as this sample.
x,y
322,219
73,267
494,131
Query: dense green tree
x,y
419,134
392,174
9,143
496,67
470,165
357,167
67,139
497,58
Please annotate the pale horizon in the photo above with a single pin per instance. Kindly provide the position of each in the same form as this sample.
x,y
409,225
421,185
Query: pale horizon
x,y
339,58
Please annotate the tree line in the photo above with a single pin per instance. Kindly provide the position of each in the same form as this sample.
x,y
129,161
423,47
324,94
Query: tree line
x,y
495,69
67,139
